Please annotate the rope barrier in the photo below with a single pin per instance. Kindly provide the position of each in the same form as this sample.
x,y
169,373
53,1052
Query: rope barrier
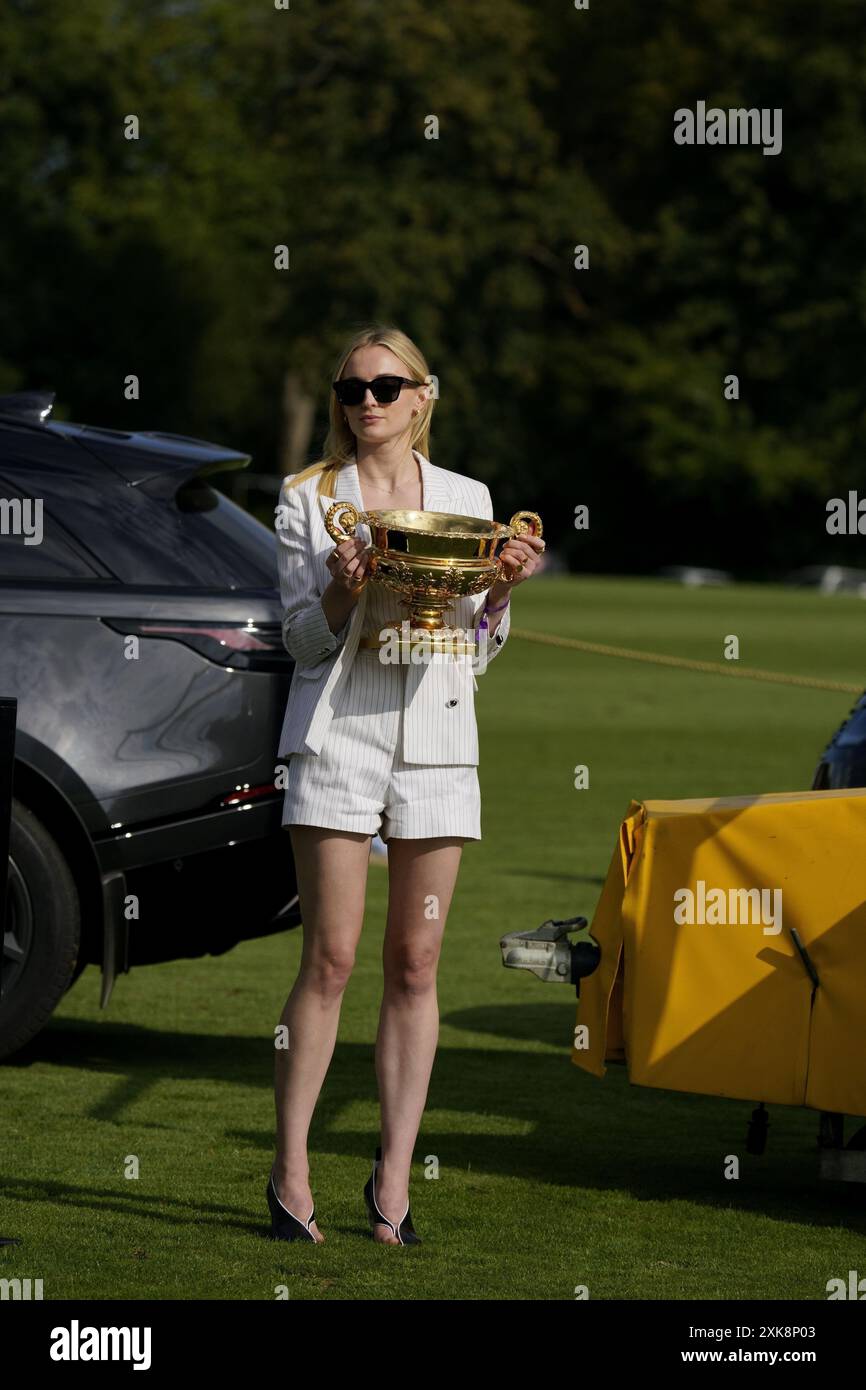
x,y
717,668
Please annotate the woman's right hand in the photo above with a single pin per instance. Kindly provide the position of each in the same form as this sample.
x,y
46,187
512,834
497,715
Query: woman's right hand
x,y
348,565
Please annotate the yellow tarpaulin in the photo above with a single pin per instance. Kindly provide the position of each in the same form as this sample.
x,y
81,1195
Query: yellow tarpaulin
x,y
701,986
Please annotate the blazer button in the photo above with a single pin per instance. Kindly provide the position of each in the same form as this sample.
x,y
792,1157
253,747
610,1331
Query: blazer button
x,y
449,703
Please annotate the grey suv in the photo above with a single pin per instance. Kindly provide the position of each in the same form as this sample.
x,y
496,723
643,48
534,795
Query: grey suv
x,y
141,641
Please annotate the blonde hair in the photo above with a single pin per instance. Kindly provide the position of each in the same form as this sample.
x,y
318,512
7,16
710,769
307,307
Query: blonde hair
x,y
339,447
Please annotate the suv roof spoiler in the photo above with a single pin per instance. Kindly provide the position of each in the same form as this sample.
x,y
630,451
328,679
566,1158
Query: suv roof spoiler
x,y
32,407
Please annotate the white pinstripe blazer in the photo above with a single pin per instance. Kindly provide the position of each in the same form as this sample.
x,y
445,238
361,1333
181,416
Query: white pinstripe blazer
x,y
439,719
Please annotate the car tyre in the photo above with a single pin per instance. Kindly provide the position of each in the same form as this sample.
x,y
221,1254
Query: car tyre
x,y
41,930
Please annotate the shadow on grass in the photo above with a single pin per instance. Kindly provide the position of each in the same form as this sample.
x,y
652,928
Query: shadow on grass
x,y
131,1201
531,1117
551,877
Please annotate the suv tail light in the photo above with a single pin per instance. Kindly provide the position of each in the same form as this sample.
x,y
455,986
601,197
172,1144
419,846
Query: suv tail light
x,y
239,646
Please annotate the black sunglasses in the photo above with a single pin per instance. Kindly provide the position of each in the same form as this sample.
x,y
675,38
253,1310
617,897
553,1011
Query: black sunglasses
x,y
351,390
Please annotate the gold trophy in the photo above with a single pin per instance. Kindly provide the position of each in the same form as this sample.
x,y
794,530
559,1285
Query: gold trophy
x,y
430,559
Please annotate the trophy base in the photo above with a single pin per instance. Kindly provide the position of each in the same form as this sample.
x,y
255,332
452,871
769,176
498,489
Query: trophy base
x,y
427,614
405,642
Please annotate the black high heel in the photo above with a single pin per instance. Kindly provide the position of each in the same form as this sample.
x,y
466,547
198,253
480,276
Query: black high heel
x,y
285,1226
404,1230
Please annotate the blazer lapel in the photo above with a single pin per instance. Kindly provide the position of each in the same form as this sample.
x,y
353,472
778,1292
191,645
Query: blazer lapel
x,y
347,488
437,494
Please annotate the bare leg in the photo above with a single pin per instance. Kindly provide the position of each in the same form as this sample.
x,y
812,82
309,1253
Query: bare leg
x,y
422,874
331,868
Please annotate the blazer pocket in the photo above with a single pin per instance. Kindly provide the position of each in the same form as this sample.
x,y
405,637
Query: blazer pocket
x,y
311,673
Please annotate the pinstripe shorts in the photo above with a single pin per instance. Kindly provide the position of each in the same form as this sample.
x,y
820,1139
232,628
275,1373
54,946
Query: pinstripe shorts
x,y
359,780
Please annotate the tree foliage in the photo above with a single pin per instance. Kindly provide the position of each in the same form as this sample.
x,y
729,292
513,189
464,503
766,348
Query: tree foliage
x,y
308,128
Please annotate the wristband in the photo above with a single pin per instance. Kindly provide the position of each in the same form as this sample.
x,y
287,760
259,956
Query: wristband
x,y
499,607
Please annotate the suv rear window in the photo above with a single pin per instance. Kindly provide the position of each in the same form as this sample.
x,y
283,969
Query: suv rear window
x,y
195,538
32,543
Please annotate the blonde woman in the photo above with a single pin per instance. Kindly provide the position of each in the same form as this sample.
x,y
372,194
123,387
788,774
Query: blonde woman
x,y
372,746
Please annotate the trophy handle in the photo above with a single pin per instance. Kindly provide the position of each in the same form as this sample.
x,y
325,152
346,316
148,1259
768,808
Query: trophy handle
x,y
336,527
520,523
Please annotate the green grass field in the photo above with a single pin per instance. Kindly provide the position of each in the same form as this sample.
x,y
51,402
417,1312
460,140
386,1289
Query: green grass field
x,y
548,1178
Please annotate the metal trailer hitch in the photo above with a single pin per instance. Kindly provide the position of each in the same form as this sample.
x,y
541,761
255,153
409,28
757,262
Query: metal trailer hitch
x,y
549,954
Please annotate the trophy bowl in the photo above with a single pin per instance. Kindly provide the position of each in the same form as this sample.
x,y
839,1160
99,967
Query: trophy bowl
x,y
429,559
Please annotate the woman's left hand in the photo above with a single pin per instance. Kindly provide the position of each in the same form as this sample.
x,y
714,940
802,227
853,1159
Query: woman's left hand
x,y
520,558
